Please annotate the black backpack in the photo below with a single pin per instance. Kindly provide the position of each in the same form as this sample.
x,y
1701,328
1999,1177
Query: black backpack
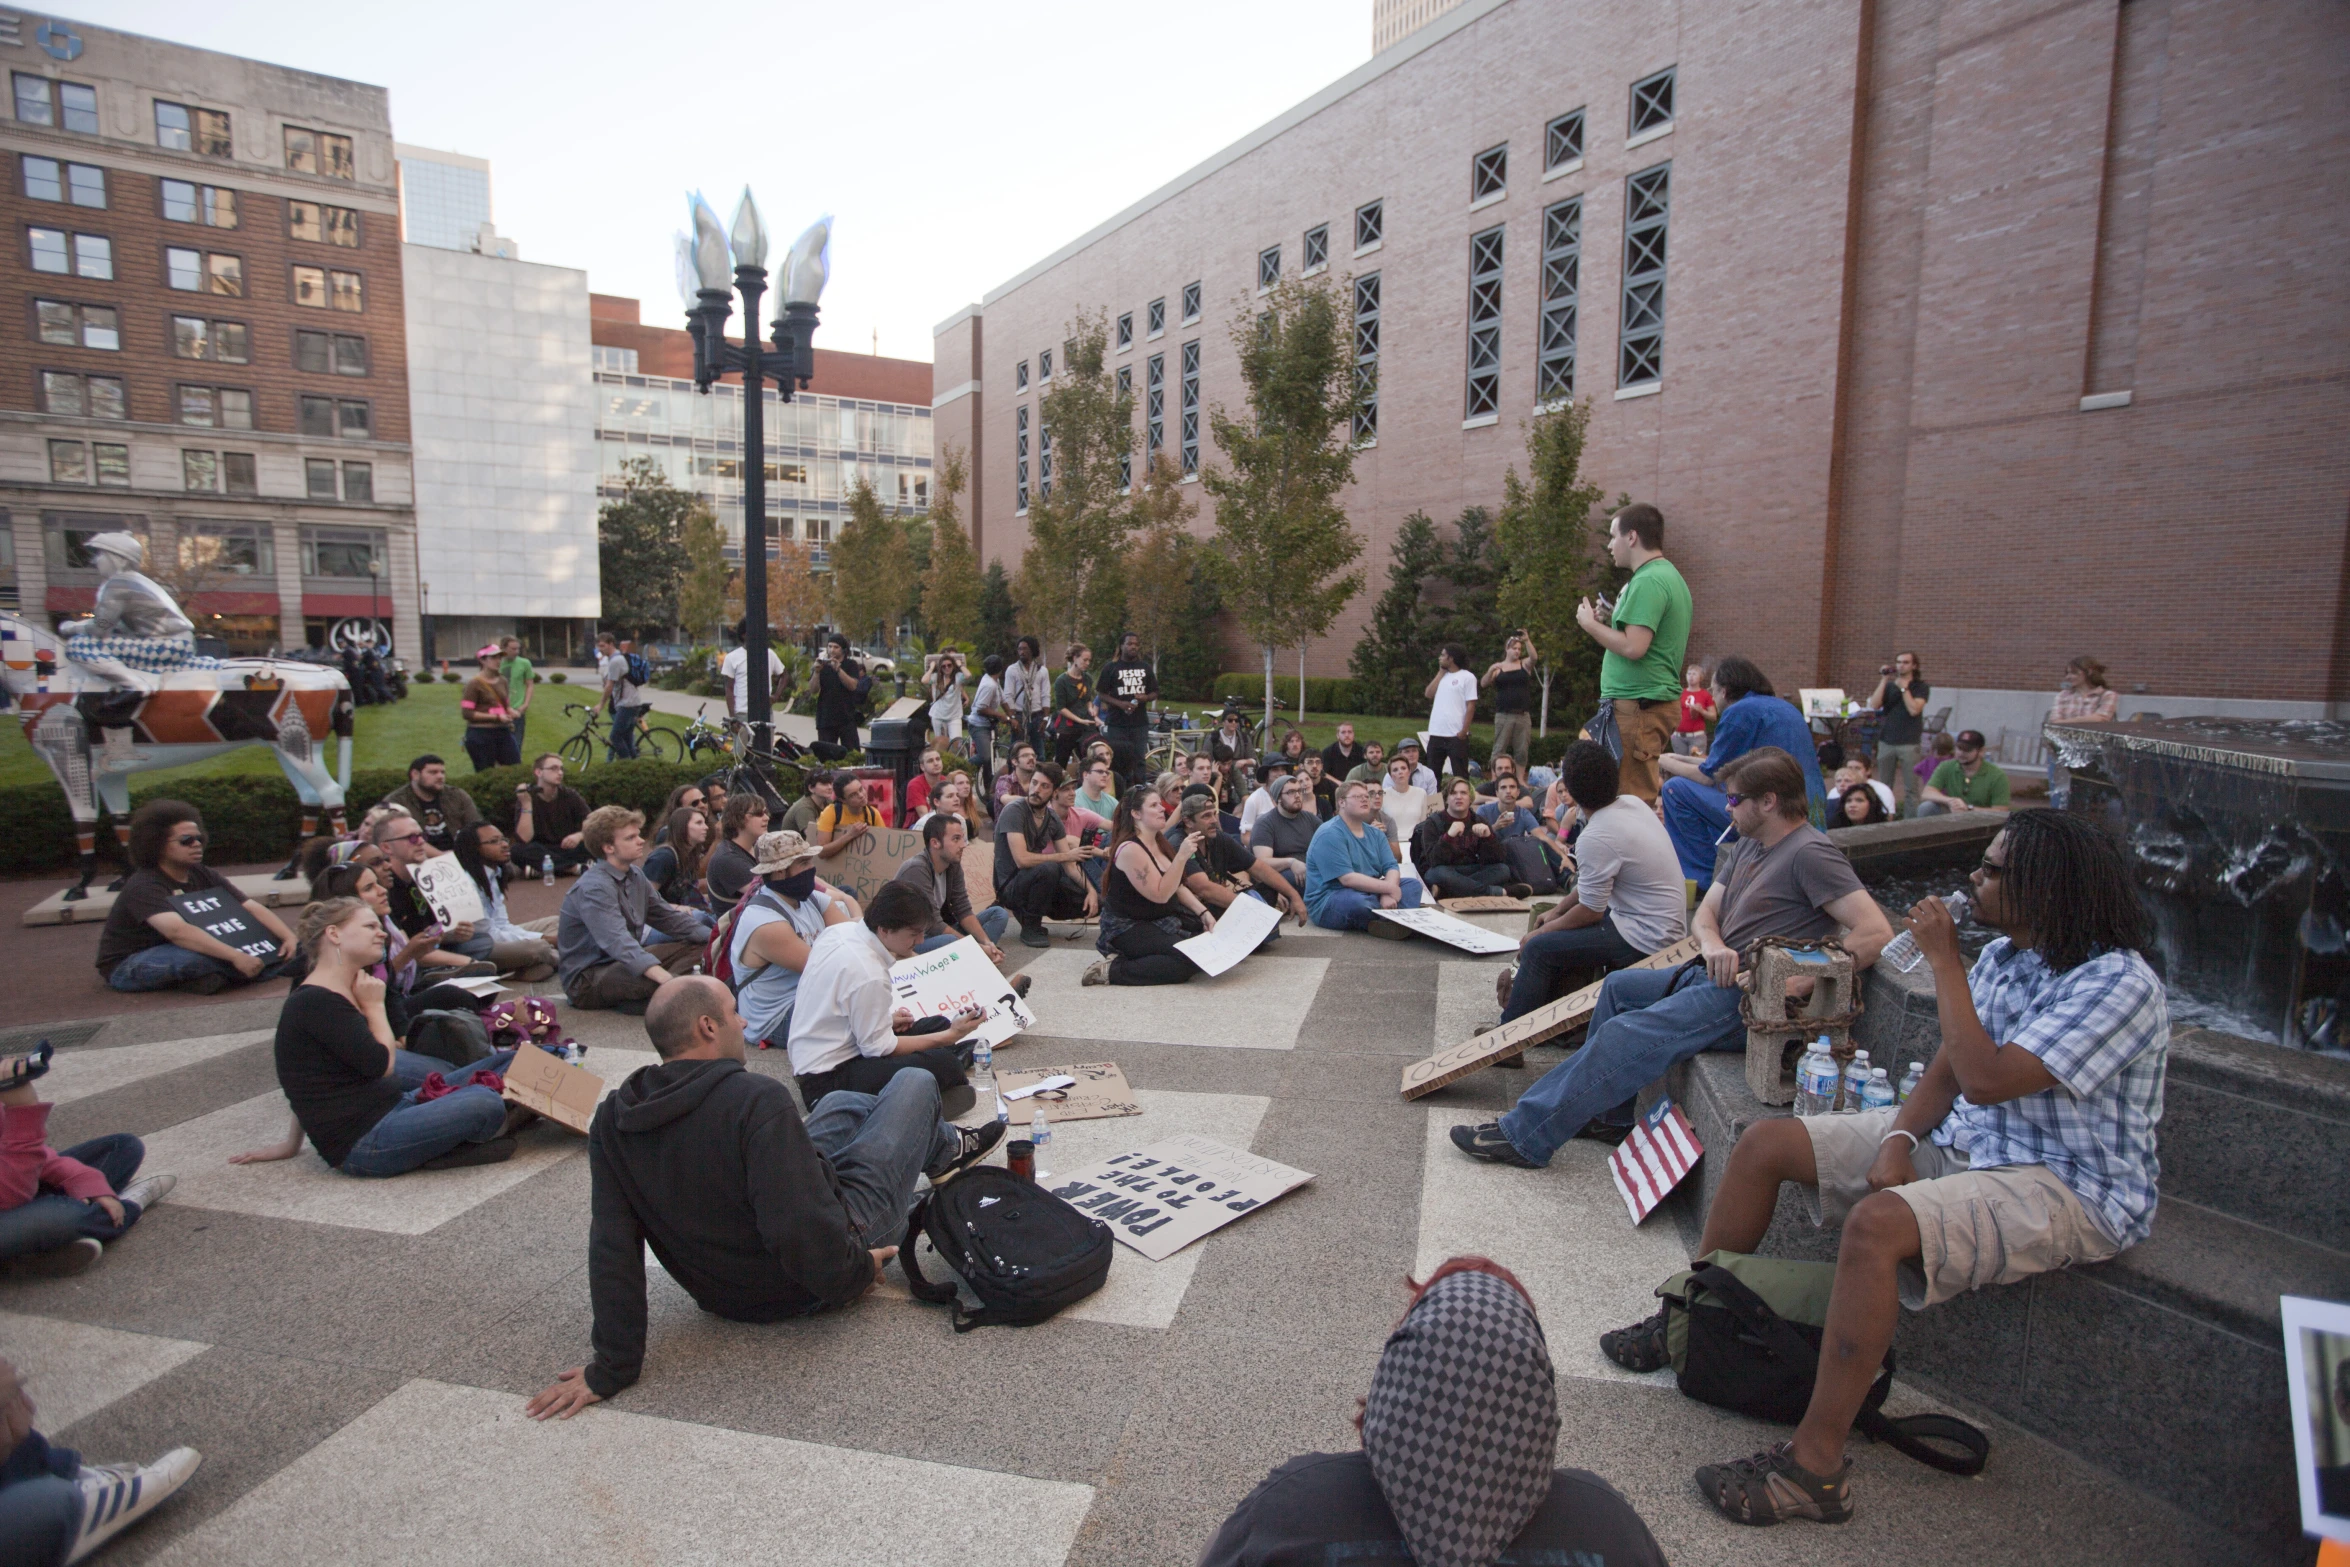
x,y
1024,1252
459,1038
1734,1351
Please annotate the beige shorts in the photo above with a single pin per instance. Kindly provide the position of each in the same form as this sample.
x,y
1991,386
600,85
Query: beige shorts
x,y
1976,1227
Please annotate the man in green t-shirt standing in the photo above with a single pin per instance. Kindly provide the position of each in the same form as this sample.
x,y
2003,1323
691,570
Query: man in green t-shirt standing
x,y
1645,638
518,672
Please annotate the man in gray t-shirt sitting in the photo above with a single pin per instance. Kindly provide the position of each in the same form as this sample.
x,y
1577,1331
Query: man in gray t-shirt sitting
x,y
1283,834
1784,879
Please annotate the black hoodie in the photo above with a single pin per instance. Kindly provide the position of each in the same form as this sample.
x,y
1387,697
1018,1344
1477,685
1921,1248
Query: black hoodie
x,y
711,1165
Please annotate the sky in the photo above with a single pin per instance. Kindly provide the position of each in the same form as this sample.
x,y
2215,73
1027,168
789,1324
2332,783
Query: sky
x,y
953,143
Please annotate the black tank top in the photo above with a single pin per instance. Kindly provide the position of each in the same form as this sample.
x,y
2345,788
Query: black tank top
x,y
1126,900
1512,690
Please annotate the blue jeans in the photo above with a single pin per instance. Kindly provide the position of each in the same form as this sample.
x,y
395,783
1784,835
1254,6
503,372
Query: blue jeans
x,y
413,1132
1696,816
995,919
166,967
40,1502
622,745
876,1145
1343,908
1541,959
52,1219
1646,1020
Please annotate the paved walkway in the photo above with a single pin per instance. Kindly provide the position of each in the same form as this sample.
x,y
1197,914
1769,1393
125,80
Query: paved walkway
x,y
352,1357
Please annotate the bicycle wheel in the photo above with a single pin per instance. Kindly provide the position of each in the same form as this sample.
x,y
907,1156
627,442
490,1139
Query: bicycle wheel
x,y
579,750
705,746
661,744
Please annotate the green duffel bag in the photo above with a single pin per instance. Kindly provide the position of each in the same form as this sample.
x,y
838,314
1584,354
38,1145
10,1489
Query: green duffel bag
x,y
1744,1335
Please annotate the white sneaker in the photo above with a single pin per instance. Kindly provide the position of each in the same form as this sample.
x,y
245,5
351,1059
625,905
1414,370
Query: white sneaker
x,y
1098,973
115,1496
148,1190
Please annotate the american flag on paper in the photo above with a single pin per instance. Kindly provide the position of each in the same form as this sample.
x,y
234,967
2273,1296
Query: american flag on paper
x,y
1648,1164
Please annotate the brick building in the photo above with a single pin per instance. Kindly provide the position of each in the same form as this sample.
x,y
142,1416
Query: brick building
x,y
2000,332
204,261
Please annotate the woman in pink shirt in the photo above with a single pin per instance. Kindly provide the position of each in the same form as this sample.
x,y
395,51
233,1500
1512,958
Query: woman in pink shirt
x,y
57,1210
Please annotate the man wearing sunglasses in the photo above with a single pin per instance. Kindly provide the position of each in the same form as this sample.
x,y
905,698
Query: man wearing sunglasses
x,y
1784,878
154,939
405,846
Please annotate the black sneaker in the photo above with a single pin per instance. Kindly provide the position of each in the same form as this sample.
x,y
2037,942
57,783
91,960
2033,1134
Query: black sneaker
x,y
977,1142
466,1155
1607,1132
1020,984
207,985
1771,1487
1035,936
1640,1347
1489,1143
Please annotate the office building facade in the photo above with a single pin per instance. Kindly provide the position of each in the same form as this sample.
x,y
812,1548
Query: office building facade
x,y
204,262
1929,324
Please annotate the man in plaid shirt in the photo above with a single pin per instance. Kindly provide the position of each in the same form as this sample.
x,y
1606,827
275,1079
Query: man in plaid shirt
x,y
2029,1145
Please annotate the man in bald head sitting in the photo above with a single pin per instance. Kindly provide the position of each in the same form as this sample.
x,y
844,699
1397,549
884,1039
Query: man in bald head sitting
x,y
758,1215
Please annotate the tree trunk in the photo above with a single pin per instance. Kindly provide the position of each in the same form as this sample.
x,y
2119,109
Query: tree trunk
x,y
1545,704
1268,685
1301,683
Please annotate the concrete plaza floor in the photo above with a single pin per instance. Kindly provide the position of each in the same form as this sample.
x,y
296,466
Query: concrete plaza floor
x,y
353,1357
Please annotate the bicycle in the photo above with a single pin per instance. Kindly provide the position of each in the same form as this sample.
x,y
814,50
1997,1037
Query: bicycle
x,y
582,748
703,738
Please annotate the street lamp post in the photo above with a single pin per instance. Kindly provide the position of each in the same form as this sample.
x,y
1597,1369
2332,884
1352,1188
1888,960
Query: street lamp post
x,y
702,283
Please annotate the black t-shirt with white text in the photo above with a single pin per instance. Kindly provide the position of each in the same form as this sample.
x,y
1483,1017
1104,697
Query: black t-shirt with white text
x,y
1129,681
145,895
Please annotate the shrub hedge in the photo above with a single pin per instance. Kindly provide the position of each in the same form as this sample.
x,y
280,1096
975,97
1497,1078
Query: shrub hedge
x,y
254,820
1324,693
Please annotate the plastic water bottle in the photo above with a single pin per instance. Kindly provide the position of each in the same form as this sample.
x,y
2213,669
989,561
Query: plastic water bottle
x,y
1856,1077
1815,1080
1903,951
1040,1133
1877,1092
1909,1083
547,870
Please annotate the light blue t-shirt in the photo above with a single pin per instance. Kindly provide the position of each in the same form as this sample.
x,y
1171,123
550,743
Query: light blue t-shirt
x,y
765,998
1336,852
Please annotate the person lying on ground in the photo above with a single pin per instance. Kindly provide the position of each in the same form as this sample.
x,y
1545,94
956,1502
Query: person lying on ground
x,y
1459,1432
58,1210
1458,852
527,952
600,958
56,1510
1351,873
2029,1145
154,939
1784,879
364,1103
843,1034
1222,869
758,1215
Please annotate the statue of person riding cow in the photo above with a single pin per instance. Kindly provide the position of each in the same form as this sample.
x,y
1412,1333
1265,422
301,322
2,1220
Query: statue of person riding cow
x,y
132,681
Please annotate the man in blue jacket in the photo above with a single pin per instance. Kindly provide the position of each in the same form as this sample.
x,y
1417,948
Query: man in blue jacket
x,y
1696,811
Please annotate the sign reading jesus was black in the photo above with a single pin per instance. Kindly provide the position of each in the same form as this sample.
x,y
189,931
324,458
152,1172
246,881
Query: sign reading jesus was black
x,y
222,917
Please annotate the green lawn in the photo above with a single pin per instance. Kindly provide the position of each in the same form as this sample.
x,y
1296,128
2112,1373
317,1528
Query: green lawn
x,y
1322,728
388,736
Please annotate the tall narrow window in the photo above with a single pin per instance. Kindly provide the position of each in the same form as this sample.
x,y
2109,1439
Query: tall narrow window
x,y
1154,406
1484,390
1652,102
1489,173
1562,141
1020,458
1562,267
1020,376
1268,267
1367,357
1155,318
1044,460
1190,303
1044,364
1370,225
1314,253
1190,427
1640,356
1126,331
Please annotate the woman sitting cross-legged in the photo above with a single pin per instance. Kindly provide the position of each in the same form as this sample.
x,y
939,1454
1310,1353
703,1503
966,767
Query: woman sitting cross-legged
x,y
359,1097
1456,852
1146,909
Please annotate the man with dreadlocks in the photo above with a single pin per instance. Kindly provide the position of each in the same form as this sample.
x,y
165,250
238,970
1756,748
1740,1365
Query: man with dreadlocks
x,y
2028,1147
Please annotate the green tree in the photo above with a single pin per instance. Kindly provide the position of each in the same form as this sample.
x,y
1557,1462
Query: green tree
x,y
999,621
1397,651
1553,555
1282,541
640,549
1078,519
701,600
1160,561
951,584
1473,567
872,570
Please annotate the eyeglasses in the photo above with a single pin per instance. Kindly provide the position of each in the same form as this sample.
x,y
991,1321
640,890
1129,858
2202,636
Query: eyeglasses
x,y
1734,799
406,837
1990,867
188,840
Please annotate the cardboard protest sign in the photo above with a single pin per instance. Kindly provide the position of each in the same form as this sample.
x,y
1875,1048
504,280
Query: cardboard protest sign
x,y
1239,930
1160,1199
541,1081
1452,932
454,898
1652,1161
1490,903
956,978
1099,1093
222,916
1455,1062
865,866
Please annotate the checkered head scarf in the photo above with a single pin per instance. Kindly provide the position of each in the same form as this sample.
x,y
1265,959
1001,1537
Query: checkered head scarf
x,y
1462,1423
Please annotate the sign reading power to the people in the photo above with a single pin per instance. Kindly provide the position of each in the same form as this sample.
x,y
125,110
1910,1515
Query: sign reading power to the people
x,y
1160,1199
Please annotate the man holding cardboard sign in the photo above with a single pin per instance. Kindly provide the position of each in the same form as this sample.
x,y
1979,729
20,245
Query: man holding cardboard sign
x,y
758,1215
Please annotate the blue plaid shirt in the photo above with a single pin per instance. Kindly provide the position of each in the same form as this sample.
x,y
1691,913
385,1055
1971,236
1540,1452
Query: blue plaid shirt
x,y
2103,1031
